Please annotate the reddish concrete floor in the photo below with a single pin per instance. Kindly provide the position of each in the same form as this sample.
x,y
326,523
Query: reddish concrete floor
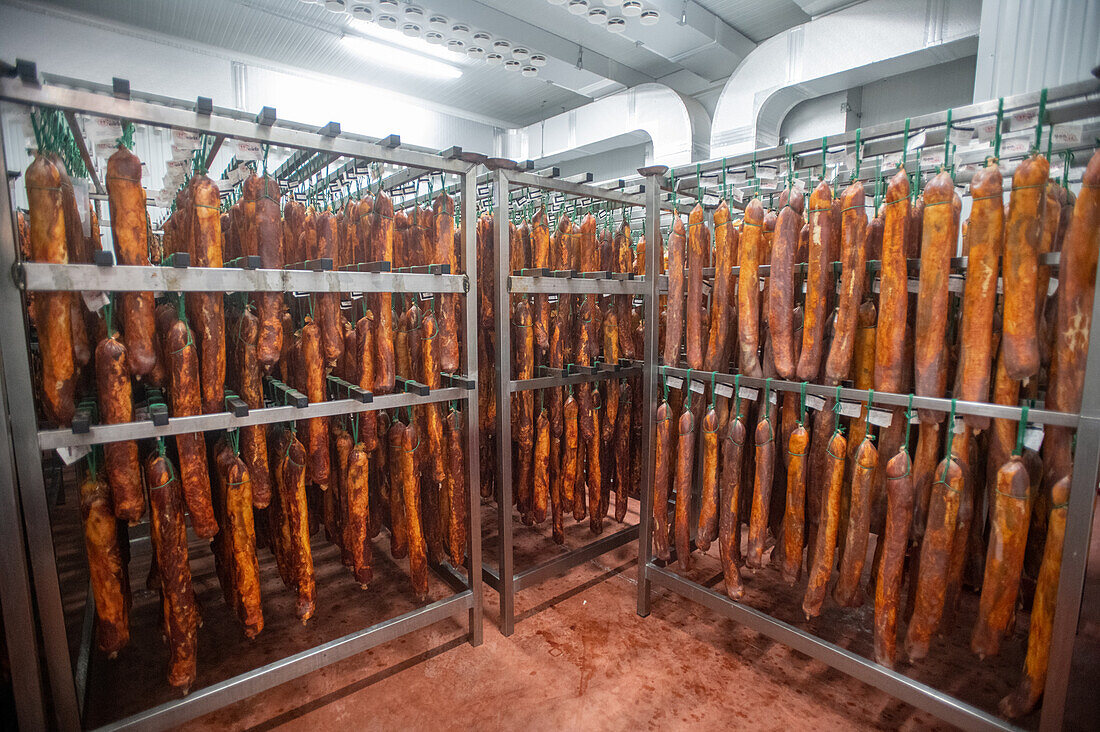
x,y
580,656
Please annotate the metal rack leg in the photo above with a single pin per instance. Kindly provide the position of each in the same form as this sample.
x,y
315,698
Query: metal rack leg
x,y
473,457
649,386
28,462
1082,502
504,423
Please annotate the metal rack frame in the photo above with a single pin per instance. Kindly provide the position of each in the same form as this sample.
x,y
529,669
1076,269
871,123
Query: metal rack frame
x,y
20,456
505,579
1074,99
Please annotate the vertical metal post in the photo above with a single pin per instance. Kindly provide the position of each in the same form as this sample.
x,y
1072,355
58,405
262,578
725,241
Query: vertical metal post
x,y
504,407
28,462
473,457
649,385
1079,514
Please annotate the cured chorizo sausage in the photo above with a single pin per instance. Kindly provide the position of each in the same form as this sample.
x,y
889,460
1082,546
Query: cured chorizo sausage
x,y
382,305
824,548
205,309
557,427
129,227
846,592
293,504
895,538
455,486
674,313
984,234
356,538
1020,341
1004,559
696,260
893,299
1026,695
106,566
269,305
624,262
794,518
430,371
569,459
707,530
781,286
443,220
116,407
53,315
328,303
764,440
250,386
935,551
183,392
819,281
725,257
594,463
729,523
540,258
239,536
316,428
405,439
169,539
541,469
937,247
685,463
853,233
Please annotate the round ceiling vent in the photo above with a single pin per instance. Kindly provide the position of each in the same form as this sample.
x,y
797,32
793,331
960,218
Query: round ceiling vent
x,y
389,6
460,30
520,53
434,37
411,29
616,25
475,52
456,45
632,8
529,71
439,23
650,17
387,21
362,12
414,14
597,16
537,59
494,59
336,6
512,64
578,7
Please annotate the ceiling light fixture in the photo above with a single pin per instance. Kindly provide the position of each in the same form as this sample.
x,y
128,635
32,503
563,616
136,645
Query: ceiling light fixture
x,y
494,59
578,7
414,14
502,46
456,44
632,8
529,71
475,52
388,5
388,22
597,16
428,45
616,25
552,2
408,61
650,17
482,38
612,3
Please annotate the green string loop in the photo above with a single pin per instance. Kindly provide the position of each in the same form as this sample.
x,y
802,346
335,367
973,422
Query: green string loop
x,y
867,424
1039,119
836,410
997,132
908,423
802,405
905,146
950,440
1021,428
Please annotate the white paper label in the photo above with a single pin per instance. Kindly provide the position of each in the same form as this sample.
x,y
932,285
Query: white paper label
x,y
815,402
674,382
773,398
177,167
101,129
224,184
915,419
94,299
80,190
766,173
1015,146
960,426
746,392
1033,437
185,139
70,455
181,153
1068,134
698,387
879,417
248,150
930,158
723,390
987,130
105,149
800,185
1024,118
850,409
917,141
961,135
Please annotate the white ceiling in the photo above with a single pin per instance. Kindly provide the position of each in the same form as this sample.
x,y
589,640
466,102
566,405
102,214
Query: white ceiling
x,y
584,60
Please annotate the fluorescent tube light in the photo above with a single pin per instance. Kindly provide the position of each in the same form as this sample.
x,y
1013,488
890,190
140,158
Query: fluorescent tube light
x,y
408,61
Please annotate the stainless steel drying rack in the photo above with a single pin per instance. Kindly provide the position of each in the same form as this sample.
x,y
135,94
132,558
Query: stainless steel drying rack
x,y
504,578
1072,102
22,485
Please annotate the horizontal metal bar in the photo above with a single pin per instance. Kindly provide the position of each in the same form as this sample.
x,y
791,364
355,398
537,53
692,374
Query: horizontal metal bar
x,y
531,180
243,686
98,434
882,398
960,115
182,115
546,382
899,686
40,276
576,286
490,576
562,564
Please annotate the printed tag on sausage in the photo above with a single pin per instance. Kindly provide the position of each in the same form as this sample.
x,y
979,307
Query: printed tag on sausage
x,y
746,392
94,300
248,150
815,402
1033,437
773,398
1068,134
674,382
879,417
723,390
698,387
